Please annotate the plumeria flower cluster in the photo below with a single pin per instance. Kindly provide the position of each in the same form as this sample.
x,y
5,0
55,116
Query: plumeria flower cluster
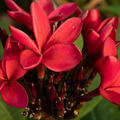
x,y
49,68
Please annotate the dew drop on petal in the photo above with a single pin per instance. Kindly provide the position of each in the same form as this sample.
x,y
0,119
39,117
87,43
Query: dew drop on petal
x,y
73,27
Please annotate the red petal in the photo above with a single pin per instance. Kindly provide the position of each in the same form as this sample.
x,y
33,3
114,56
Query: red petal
x,y
23,38
29,59
109,68
78,12
62,12
109,48
19,15
106,31
11,59
112,94
2,75
41,26
68,32
15,95
13,6
46,5
102,24
92,20
62,57
113,21
92,41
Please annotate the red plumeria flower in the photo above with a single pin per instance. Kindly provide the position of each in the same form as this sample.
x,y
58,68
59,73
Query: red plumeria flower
x,y
12,92
109,68
57,51
61,13
18,13
95,38
92,20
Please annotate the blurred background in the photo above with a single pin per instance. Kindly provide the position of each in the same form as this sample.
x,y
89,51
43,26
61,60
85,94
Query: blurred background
x,y
97,109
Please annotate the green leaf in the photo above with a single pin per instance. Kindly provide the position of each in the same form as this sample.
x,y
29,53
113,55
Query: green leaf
x,y
5,26
114,9
104,111
118,31
10,113
89,106
95,83
79,42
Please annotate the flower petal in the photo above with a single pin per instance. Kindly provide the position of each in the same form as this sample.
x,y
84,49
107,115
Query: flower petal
x,y
102,24
62,12
112,94
92,41
11,60
23,38
29,59
106,31
46,5
61,57
13,6
68,32
15,95
2,75
109,48
109,68
41,26
92,20
114,21
19,15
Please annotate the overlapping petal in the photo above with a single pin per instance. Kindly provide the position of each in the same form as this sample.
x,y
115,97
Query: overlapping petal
x,y
92,20
41,26
112,94
12,65
62,12
106,31
24,39
109,68
68,32
21,17
109,48
62,57
13,6
92,41
46,5
29,59
15,95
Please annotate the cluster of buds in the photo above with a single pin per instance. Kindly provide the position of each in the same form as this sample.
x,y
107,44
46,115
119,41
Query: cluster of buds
x,y
50,68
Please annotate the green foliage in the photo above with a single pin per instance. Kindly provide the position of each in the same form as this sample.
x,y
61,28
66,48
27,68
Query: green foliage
x,y
104,111
89,106
5,26
113,9
79,42
10,113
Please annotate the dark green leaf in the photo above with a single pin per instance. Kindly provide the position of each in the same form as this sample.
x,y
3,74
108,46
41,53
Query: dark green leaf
x,y
10,113
104,111
113,9
79,42
89,106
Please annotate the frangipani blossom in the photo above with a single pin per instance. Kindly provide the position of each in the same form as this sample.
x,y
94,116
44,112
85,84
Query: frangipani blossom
x,y
91,21
61,13
11,91
109,68
57,51
97,37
